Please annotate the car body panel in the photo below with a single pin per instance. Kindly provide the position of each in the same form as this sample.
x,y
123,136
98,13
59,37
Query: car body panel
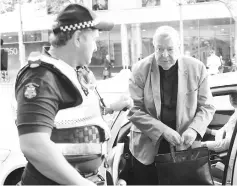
x,y
9,135
14,161
223,80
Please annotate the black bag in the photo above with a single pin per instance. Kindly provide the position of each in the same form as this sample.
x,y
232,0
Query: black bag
x,y
188,167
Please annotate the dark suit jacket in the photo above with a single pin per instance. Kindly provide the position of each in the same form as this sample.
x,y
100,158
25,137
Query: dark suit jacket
x,y
194,104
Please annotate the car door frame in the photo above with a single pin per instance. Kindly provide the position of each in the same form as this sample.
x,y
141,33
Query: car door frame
x,y
230,169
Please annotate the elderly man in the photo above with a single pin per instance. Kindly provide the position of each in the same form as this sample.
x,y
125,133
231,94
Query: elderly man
x,y
172,104
61,131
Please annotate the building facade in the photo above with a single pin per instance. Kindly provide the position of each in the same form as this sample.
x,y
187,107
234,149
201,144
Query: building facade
x,y
205,26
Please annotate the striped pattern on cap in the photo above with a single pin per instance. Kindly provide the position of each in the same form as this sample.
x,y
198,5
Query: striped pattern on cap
x,y
78,26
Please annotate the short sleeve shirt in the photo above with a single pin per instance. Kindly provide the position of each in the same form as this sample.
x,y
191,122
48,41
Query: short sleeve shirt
x,y
40,93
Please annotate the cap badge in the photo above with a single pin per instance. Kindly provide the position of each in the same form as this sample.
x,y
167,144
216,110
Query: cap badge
x,y
30,90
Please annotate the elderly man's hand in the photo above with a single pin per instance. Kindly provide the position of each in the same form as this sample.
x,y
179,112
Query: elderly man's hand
x,y
124,101
172,136
189,137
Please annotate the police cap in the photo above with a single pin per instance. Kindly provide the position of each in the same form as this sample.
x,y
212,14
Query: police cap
x,y
78,17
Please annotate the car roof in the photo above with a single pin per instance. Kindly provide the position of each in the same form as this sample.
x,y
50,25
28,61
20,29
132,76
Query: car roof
x,y
223,84
223,79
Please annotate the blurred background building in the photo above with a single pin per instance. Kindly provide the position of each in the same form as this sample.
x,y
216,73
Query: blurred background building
x,y
206,25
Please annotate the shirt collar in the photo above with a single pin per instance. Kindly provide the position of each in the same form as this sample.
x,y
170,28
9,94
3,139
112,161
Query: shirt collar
x,y
170,72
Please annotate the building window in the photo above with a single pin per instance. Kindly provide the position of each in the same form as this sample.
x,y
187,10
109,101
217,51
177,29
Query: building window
x,y
55,6
10,37
146,3
32,36
198,1
100,5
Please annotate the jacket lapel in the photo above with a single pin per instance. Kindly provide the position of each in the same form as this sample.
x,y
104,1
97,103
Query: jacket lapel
x,y
182,91
155,85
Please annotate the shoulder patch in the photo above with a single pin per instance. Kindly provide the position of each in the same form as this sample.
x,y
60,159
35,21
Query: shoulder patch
x,y
31,90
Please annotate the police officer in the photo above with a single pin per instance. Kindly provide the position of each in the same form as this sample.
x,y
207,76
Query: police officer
x,y
59,121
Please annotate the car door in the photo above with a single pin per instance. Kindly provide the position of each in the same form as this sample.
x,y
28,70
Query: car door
x,y
222,85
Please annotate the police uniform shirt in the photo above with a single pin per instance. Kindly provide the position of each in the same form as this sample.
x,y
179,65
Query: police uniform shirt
x,y
40,94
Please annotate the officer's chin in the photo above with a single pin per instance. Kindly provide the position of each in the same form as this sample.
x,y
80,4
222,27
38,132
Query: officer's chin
x,y
88,63
85,62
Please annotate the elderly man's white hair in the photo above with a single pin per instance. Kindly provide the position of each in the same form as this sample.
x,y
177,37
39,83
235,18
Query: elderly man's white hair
x,y
166,31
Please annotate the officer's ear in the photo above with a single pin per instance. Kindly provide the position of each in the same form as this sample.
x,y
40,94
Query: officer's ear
x,y
77,38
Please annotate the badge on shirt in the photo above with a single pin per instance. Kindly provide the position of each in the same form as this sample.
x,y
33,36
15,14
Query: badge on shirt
x,y
31,90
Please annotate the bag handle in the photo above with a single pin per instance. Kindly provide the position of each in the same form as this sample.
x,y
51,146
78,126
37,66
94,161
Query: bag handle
x,y
172,152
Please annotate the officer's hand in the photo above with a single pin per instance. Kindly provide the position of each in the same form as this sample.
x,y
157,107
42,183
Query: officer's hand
x,y
172,136
188,137
124,101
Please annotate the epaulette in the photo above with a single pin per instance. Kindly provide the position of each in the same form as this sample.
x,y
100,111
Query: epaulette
x,y
33,62
34,59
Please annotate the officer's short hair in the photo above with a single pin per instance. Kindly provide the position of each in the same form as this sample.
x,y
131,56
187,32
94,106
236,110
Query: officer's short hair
x,y
60,39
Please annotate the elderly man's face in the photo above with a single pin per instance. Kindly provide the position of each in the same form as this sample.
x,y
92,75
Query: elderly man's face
x,y
166,51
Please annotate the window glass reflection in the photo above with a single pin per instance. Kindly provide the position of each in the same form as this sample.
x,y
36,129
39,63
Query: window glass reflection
x,y
146,3
100,4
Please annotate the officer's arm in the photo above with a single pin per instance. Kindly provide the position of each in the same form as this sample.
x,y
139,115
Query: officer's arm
x,y
48,160
121,102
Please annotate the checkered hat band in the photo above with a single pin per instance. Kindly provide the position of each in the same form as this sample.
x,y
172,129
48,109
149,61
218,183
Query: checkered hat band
x,y
77,26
